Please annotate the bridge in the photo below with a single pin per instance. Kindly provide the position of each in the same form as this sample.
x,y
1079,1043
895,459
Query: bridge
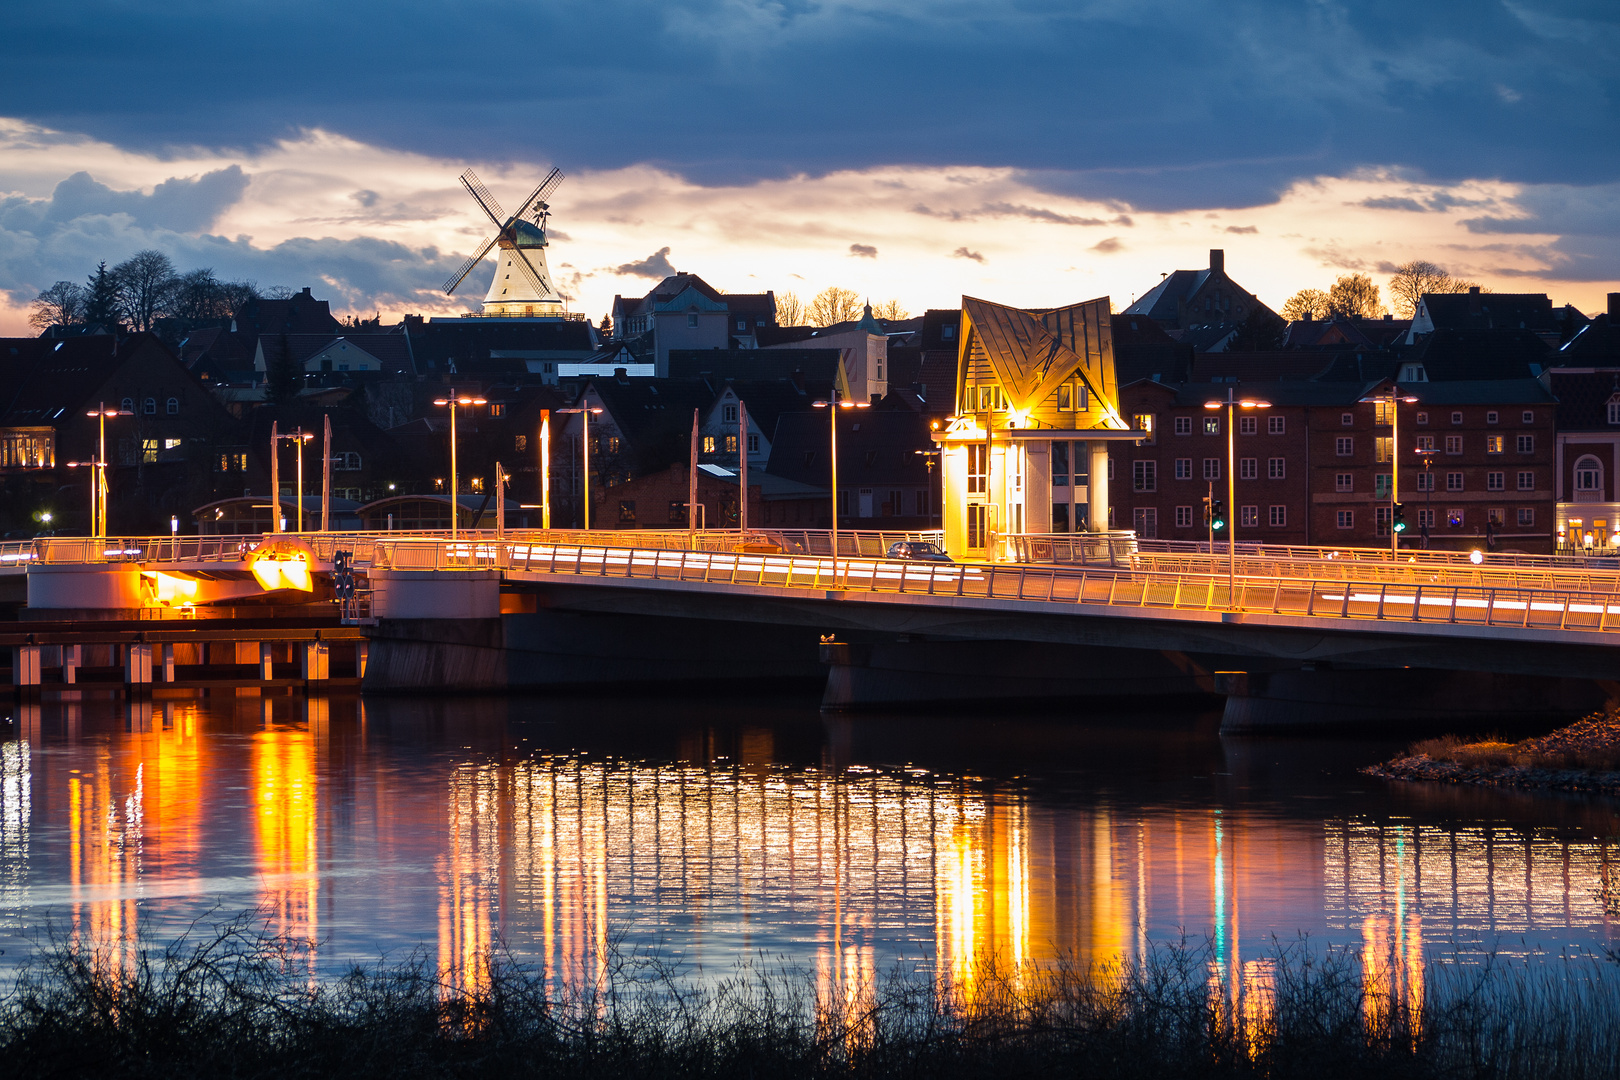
x,y
1071,616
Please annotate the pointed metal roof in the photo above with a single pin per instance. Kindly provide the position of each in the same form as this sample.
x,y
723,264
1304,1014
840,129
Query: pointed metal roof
x,y
1033,352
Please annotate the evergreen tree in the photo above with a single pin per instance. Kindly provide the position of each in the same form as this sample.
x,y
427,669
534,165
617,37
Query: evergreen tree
x,y
101,299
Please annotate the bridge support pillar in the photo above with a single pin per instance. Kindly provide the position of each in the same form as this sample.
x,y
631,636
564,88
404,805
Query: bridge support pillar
x,y
315,661
1415,700
168,662
71,660
138,663
25,665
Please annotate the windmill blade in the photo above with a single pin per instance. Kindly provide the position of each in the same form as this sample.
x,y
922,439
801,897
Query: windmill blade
x,y
538,195
466,268
475,187
530,272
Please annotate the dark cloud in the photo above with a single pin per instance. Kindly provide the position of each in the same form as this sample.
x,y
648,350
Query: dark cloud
x,y
1178,111
1585,220
1033,213
654,266
863,251
188,204
1393,202
1243,230
964,253
1108,246
85,222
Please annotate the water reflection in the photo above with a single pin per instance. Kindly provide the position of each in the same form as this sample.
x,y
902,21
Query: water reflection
x,y
713,837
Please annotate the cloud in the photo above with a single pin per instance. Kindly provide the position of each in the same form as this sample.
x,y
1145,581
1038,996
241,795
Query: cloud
x,y
1393,202
1003,210
654,266
1451,88
964,253
863,251
181,204
1242,230
1109,246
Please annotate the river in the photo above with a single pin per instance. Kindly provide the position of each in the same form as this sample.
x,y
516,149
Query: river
x,y
730,829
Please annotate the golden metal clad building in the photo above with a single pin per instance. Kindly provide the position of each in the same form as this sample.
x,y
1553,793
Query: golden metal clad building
x,y
1037,404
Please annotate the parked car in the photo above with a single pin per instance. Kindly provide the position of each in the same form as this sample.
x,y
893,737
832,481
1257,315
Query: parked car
x,y
917,549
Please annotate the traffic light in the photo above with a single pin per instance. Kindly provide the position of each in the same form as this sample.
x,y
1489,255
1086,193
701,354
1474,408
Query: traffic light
x,y
1218,516
1400,518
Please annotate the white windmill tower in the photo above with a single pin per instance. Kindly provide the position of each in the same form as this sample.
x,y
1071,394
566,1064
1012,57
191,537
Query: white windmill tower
x,y
522,284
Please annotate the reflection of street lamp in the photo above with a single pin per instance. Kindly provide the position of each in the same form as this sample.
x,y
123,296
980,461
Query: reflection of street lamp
x,y
1232,403
98,511
585,474
1393,398
832,408
453,400
1427,457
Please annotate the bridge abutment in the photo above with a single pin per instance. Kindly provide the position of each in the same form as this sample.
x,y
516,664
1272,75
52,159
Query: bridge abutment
x,y
1401,699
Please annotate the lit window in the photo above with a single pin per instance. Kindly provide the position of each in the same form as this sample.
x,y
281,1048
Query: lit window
x,y
521,443
1250,517
497,409
1144,422
1493,444
1212,425
708,444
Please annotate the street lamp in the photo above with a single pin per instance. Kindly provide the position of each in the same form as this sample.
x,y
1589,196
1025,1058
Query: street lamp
x,y
832,408
1428,498
98,513
1233,403
584,412
96,482
1394,399
452,401
298,437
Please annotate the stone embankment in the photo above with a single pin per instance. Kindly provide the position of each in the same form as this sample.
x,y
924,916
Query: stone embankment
x,y
1583,757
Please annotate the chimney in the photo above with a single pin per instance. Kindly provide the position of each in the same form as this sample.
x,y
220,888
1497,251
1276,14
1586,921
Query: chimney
x,y
1614,307
1217,260
1473,290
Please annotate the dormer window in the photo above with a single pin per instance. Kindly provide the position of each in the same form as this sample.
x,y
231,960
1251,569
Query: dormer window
x,y
1413,373
1614,409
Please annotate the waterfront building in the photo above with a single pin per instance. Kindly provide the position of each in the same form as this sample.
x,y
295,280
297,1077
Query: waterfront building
x,y
1585,378
1037,405
685,312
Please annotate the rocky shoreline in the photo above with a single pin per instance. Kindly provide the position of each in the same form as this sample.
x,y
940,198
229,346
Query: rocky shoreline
x,y
1583,757
1423,767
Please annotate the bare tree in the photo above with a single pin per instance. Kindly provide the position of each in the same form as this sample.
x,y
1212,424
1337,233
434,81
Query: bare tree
x,y
60,305
891,310
146,281
1356,295
789,309
199,297
1305,304
280,292
237,295
833,305
1412,280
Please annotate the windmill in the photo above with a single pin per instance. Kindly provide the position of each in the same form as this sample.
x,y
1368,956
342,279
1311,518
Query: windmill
x,y
522,284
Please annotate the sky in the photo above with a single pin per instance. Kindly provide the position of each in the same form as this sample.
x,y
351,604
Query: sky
x,y
1031,152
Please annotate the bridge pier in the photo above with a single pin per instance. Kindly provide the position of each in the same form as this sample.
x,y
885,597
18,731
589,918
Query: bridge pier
x,y
1419,700
915,672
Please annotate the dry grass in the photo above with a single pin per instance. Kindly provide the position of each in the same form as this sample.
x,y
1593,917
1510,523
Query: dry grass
x,y
1591,744
235,1002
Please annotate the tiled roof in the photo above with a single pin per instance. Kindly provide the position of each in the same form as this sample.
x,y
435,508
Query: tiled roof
x,y
1160,302
874,447
1490,311
1480,354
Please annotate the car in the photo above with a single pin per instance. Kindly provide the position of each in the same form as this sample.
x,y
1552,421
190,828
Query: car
x,y
920,550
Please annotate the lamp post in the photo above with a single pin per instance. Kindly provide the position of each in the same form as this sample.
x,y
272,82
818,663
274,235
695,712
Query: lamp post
x,y
832,406
1233,403
452,401
584,412
1394,399
298,437
96,481
1428,497
98,513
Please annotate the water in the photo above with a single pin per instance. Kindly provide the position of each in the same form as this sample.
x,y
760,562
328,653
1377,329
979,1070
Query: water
x,y
732,829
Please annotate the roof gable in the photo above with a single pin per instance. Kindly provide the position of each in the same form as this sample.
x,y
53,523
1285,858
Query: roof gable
x,y
1033,352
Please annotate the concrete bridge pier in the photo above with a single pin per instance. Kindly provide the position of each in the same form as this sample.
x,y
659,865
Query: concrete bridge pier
x,y
1421,701
912,671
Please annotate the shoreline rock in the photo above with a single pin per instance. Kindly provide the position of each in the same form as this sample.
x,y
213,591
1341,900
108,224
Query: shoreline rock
x,y
1421,767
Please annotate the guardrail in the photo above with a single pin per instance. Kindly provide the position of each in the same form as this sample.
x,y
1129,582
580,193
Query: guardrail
x,y
1058,587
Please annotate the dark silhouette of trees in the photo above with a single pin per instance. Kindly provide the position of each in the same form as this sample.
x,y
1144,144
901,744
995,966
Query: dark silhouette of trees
x,y
60,305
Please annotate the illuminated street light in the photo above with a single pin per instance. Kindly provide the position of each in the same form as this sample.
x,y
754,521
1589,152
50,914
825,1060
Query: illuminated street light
x,y
98,509
1394,399
464,401
1232,403
298,437
585,413
832,415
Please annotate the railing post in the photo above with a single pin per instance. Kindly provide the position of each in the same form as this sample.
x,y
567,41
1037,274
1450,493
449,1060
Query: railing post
x,y
1383,590
1417,605
1456,592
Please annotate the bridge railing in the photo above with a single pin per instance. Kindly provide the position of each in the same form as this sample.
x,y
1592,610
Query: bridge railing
x,y
1052,587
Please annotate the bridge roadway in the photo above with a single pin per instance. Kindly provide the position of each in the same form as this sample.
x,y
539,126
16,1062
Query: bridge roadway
x,y
1434,612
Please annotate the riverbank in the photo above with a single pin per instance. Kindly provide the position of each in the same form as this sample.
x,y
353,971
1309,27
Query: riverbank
x,y
1583,757
247,1004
